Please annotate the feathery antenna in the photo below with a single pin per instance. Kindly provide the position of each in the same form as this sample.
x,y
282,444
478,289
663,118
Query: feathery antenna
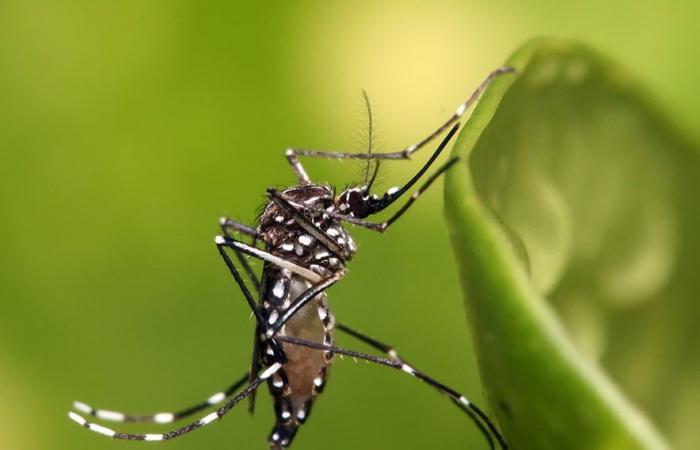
x,y
370,137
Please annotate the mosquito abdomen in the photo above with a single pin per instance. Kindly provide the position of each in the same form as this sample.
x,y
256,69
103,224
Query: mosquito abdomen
x,y
303,376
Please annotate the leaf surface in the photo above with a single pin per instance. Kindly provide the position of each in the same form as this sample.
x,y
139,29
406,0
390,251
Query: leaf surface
x,y
572,215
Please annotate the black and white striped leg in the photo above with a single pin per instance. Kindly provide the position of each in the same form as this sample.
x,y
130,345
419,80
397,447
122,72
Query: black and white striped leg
x,y
206,420
478,417
161,417
391,352
227,225
293,154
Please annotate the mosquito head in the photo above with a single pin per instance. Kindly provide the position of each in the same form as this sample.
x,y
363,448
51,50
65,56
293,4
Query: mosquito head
x,y
353,202
357,202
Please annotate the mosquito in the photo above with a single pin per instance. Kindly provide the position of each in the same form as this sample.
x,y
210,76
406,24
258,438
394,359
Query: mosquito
x,y
304,247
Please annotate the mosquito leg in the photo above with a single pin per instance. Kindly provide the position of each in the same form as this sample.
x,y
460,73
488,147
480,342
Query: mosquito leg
x,y
474,412
255,364
293,160
391,352
378,345
161,417
384,348
224,241
293,154
228,225
221,246
206,420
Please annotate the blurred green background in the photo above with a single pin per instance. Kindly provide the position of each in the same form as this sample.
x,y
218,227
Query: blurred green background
x,y
128,128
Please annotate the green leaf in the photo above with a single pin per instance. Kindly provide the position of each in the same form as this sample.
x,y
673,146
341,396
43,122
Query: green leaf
x,y
573,215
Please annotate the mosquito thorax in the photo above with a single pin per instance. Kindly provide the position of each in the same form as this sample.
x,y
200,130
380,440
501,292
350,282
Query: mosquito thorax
x,y
287,239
